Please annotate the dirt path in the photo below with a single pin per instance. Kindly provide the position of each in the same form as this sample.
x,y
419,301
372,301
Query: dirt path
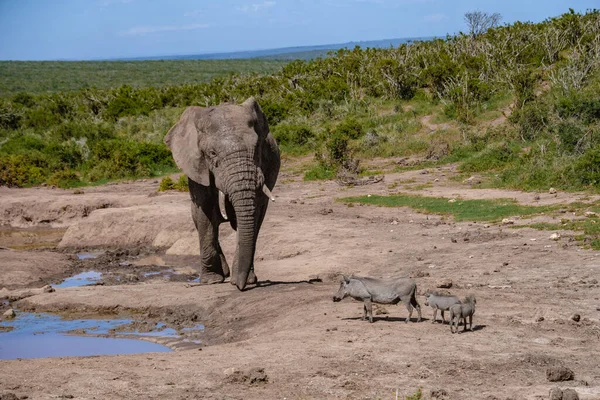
x,y
309,347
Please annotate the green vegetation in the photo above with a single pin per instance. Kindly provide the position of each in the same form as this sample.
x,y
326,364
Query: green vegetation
x,y
462,210
519,102
590,228
168,184
60,76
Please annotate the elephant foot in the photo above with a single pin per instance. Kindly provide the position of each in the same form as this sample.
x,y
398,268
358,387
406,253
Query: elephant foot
x,y
252,279
209,278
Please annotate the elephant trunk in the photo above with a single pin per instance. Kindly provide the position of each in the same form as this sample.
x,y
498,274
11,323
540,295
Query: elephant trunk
x,y
242,192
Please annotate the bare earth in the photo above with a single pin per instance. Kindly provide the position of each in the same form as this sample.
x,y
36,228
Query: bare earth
x,y
527,287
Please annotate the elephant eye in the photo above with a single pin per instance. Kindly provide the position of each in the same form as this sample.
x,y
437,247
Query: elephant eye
x,y
212,153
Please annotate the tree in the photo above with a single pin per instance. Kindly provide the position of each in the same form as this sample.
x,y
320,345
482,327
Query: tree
x,y
480,21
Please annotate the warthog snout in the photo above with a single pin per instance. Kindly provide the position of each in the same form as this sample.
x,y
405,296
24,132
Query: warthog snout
x,y
336,299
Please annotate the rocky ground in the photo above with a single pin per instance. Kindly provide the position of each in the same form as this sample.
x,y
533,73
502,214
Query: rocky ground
x,y
286,338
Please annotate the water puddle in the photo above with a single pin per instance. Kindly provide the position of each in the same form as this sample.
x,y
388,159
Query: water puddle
x,y
45,335
82,279
89,255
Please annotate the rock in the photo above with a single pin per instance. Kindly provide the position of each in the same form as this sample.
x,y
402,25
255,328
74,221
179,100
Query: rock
x,y
559,374
590,214
552,191
507,221
424,172
452,201
325,211
9,314
48,289
438,394
556,394
536,197
380,310
254,376
78,191
444,284
474,180
569,394
555,236
576,317
453,240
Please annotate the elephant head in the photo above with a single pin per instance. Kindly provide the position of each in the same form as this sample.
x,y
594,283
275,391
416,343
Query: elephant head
x,y
228,148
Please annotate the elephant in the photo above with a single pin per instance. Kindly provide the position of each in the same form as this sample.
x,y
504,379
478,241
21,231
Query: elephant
x,y
232,162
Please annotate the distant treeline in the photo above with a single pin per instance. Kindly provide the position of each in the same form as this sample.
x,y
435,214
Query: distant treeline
x,y
550,70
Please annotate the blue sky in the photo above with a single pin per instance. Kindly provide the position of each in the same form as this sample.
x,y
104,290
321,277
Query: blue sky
x,y
92,29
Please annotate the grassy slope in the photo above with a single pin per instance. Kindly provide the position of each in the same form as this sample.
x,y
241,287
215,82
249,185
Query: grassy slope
x,y
56,76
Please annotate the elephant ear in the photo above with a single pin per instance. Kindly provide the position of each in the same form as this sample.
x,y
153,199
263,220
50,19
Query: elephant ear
x,y
269,151
260,121
182,139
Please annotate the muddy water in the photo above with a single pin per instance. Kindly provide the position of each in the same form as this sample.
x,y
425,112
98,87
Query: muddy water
x,y
45,335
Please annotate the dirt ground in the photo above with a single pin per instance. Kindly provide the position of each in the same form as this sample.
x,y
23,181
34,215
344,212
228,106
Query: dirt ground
x,y
287,339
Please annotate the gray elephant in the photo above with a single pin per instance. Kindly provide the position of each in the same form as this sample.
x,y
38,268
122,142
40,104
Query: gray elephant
x,y
232,161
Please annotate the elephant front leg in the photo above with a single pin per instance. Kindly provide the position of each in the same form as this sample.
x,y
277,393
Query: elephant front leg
x,y
213,267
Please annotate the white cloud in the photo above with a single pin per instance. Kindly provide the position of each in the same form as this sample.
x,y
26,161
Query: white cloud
x,y
144,30
193,13
434,17
257,6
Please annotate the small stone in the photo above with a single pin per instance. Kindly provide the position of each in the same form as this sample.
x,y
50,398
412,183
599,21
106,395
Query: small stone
x,y
539,319
505,263
230,371
445,284
9,314
452,201
438,394
552,191
590,214
576,317
424,172
486,226
507,221
555,236
436,180
556,394
453,240
536,197
569,394
559,374
474,180
78,191
48,289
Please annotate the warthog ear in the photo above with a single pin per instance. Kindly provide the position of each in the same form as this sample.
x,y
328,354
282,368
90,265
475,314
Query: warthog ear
x,y
345,278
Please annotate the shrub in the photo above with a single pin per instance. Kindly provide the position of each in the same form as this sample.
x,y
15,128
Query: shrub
x,y
19,171
166,183
587,167
293,134
63,179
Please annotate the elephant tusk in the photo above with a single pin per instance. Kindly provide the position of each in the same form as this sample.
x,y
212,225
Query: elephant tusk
x,y
268,192
222,205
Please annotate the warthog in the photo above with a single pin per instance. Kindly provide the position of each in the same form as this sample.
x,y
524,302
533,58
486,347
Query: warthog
x,y
440,302
381,291
462,311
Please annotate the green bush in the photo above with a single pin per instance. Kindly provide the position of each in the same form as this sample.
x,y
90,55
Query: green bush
x,y
292,134
587,167
166,183
63,179
18,171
